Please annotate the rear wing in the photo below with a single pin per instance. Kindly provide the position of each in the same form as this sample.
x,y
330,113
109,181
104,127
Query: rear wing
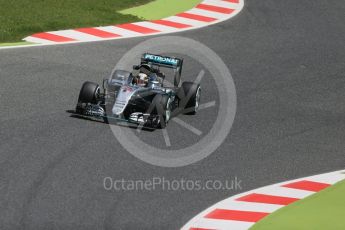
x,y
165,61
169,62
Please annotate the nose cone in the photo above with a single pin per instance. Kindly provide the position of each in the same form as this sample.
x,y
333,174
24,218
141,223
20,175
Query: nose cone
x,y
124,95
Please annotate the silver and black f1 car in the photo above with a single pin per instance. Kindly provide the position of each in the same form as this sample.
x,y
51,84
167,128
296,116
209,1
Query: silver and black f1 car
x,y
140,96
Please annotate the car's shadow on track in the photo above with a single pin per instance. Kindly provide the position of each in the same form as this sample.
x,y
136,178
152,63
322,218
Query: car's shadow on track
x,y
73,114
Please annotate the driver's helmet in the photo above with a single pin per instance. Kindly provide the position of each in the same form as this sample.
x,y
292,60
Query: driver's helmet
x,y
145,68
142,80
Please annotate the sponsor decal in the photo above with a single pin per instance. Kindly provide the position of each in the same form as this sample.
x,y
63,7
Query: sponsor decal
x,y
160,59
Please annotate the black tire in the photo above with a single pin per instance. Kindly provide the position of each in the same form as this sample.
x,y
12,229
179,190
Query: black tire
x,y
189,95
89,93
162,108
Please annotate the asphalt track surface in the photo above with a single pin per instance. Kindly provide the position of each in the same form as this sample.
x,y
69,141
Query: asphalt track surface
x,y
287,60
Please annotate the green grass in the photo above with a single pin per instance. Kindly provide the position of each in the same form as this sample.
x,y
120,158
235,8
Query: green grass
x,y
324,210
161,8
15,44
20,18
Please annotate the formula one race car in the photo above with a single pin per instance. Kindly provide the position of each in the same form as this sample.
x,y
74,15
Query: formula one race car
x,y
140,96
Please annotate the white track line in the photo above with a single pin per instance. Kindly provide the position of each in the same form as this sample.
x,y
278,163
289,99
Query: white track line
x,y
206,13
119,31
249,206
187,21
285,192
221,224
33,40
156,26
76,35
328,178
224,4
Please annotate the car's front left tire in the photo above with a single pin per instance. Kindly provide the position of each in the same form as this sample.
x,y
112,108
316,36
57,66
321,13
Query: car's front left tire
x,y
89,93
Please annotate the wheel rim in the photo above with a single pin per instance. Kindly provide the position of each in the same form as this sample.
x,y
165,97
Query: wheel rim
x,y
168,111
197,99
97,92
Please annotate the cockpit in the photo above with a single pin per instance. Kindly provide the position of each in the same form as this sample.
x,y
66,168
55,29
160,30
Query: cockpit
x,y
145,75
